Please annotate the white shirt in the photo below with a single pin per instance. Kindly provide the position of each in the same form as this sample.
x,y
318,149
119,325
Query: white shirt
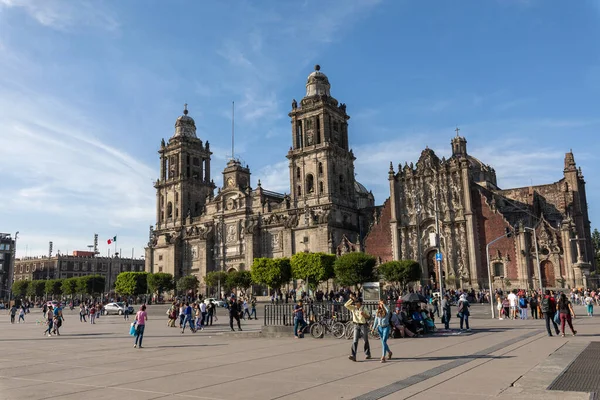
x,y
203,307
245,305
512,298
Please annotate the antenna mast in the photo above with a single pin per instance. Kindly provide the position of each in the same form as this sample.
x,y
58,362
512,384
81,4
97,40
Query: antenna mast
x,y
232,128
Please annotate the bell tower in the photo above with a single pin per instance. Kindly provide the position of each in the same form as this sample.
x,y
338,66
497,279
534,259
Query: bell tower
x,y
185,182
320,161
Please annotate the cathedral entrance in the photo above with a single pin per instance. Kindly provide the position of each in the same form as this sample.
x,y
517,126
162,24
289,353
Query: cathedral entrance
x,y
548,277
431,268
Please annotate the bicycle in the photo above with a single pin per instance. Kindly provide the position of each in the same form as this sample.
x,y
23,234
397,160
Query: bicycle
x,y
327,324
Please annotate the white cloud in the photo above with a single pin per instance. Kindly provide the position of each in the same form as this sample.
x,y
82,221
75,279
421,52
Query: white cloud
x,y
65,15
275,177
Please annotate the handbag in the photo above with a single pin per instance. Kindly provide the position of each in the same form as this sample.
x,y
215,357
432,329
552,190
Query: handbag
x,y
132,329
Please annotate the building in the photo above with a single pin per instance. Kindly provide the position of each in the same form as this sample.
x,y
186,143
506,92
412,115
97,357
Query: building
x,y
472,212
326,210
81,263
7,248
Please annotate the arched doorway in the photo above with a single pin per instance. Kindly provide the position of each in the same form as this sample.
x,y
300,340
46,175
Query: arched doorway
x,y
431,267
548,276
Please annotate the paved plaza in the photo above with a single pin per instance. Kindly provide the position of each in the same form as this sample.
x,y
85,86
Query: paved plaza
x,y
504,359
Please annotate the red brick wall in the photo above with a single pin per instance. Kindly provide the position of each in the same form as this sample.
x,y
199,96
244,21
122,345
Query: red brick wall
x,y
491,225
378,242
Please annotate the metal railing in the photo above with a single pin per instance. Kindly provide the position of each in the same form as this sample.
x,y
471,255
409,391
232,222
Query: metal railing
x,y
283,314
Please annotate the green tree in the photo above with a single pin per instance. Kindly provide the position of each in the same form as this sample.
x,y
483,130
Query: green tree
x,y
36,288
160,282
69,286
316,267
272,272
239,280
54,287
400,273
213,278
91,284
187,283
596,244
19,288
132,283
354,269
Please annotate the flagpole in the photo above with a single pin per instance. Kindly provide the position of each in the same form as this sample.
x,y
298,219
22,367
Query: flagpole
x,y
132,253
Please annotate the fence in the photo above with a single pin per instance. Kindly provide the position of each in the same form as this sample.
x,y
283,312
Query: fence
x,y
283,314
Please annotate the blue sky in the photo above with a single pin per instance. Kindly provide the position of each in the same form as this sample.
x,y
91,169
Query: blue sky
x,y
88,89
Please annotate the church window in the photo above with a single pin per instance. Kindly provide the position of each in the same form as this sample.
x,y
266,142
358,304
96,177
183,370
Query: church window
x,y
197,208
498,269
320,169
321,188
188,159
196,161
160,257
299,135
318,135
309,124
299,190
310,184
335,126
169,210
176,212
187,174
176,197
298,173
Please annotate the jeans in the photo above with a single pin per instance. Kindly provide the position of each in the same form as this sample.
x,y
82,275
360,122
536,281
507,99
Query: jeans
x,y
566,317
126,314
188,320
523,313
49,327
464,318
358,330
82,317
446,317
298,323
247,312
21,317
436,310
139,335
253,313
204,319
549,316
92,318
12,318
590,309
384,334
181,320
534,312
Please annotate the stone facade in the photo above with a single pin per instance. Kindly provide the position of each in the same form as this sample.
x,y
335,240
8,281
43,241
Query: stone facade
x,y
472,212
326,210
69,266
7,247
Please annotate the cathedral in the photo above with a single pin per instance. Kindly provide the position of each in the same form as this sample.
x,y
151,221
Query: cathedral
x,y
326,209
454,207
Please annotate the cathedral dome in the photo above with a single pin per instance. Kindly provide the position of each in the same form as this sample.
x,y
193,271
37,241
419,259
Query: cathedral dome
x,y
317,83
364,198
359,188
185,125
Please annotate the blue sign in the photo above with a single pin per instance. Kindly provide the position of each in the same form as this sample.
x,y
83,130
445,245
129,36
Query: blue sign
x,y
438,256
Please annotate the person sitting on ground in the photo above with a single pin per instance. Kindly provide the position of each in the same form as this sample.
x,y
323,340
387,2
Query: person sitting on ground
x,y
398,322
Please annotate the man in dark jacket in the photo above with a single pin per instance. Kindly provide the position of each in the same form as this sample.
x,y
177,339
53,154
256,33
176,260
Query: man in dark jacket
x,y
234,313
548,307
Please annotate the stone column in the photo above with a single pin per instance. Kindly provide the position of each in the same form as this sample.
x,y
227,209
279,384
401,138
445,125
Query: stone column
x,y
522,262
472,239
394,204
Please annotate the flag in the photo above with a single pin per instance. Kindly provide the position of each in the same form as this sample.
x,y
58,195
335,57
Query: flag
x,y
110,241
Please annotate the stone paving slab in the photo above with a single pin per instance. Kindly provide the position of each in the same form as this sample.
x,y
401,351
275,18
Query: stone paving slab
x,y
99,362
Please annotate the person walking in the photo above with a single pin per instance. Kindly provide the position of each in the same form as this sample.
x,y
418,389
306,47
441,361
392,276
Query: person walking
x,y
361,327
234,313
140,320
188,320
499,306
13,313
533,304
435,302
253,308
463,312
93,314
382,324
82,313
126,312
49,318
565,308
446,312
299,321
523,305
21,314
589,303
548,307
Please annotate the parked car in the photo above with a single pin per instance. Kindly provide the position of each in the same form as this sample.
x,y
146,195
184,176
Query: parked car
x,y
117,308
53,303
218,303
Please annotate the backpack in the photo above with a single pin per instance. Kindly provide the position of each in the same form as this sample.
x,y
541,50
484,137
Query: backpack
x,y
546,305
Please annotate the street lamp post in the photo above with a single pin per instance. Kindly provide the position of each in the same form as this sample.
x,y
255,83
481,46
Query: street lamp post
x,y
487,252
537,257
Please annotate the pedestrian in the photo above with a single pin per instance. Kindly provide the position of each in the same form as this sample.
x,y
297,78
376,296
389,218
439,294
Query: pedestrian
x,y
210,310
21,314
203,315
246,309
382,324
589,303
523,304
435,302
253,308
499,306
57,319
82,313
533,303
234,313
93,314
126,312
181,315
140,320
549,309
360,317
446,312
512,299
565,308
299,321
463,312
13,312
49,319
188,320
